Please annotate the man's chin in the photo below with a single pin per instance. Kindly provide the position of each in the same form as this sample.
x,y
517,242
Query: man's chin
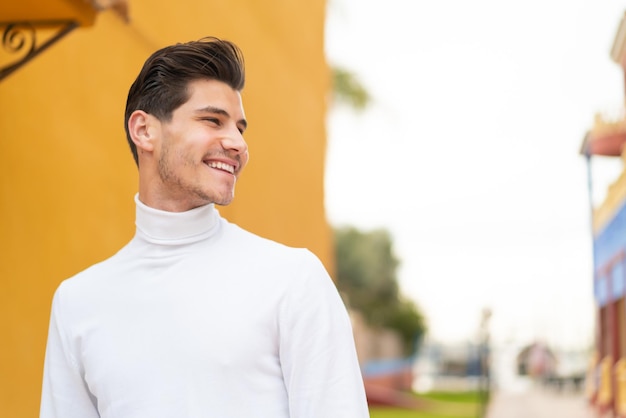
x,y
224,201
222,204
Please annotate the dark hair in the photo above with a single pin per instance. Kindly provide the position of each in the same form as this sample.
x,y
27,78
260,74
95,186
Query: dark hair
x,y
161,86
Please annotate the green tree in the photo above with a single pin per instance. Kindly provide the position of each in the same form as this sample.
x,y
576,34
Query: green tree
x,y
366,276
366,266
348,89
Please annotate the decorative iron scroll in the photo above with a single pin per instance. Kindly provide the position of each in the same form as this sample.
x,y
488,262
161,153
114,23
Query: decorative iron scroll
x,y
21,41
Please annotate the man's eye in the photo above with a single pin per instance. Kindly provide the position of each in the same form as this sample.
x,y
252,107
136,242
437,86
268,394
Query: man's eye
x,y
213,120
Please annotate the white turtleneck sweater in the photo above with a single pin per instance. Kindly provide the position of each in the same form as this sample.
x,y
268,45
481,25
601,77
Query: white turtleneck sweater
x,y
196,317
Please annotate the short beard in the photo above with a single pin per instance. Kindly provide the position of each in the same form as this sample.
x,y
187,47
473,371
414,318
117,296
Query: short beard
x,y
168,176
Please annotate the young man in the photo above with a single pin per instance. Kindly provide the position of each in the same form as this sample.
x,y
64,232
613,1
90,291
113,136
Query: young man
x,y
196,317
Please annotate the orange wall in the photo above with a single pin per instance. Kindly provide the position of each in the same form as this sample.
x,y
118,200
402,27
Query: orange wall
x,y
67,178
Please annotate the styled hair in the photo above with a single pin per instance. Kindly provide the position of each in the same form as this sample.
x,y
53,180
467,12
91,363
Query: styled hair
x,y
162,84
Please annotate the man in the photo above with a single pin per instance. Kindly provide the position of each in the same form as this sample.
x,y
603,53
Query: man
x,y
196,317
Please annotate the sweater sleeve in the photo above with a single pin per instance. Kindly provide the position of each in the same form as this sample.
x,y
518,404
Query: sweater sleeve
x,y
64,392
317,351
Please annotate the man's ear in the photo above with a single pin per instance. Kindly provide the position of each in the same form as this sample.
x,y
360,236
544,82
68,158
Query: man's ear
x,y
141,127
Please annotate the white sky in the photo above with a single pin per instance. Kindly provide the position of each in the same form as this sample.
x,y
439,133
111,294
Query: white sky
x,y
469,154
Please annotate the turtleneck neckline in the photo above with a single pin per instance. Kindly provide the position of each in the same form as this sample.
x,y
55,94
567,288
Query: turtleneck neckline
x,y
162,227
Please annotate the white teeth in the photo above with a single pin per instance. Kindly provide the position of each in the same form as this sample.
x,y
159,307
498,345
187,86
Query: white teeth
x,y
222,166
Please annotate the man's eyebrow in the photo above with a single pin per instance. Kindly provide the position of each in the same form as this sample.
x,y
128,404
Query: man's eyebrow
x,y
220,111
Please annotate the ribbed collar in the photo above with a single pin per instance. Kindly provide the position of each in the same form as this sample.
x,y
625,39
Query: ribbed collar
x,y
173,228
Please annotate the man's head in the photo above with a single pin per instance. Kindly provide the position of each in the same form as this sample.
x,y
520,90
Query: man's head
x,y
185,123
161,86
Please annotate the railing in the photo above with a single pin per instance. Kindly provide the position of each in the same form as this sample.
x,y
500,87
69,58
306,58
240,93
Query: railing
x,y
22,41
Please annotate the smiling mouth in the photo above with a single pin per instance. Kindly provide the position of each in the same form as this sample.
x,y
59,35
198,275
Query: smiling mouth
x,y
222,166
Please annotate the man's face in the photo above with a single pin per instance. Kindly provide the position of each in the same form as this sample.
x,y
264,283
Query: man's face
x,y
202,150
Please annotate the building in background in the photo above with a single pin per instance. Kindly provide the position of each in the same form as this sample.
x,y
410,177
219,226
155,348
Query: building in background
x,y
606,138
67,178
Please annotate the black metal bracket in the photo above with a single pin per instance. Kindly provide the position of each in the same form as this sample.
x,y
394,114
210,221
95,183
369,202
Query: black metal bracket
x,y
21,41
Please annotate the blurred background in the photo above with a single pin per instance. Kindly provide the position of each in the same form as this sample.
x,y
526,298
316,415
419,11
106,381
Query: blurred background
x,y
469,154
455,165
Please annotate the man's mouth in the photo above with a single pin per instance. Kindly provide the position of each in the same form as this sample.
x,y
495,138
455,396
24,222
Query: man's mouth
x,y
222,166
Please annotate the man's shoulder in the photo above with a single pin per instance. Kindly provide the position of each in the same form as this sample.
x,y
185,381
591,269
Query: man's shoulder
x,y
97,272
241,235
254,243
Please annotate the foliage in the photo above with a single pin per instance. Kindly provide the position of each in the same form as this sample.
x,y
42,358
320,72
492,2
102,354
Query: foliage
x,y
447,396
348,89
366,276
382,412
436,405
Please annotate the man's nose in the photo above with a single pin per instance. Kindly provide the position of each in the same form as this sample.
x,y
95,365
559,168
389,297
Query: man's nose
x,y
234,141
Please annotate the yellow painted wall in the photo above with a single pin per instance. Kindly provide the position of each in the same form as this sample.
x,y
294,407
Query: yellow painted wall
x,y
67,178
